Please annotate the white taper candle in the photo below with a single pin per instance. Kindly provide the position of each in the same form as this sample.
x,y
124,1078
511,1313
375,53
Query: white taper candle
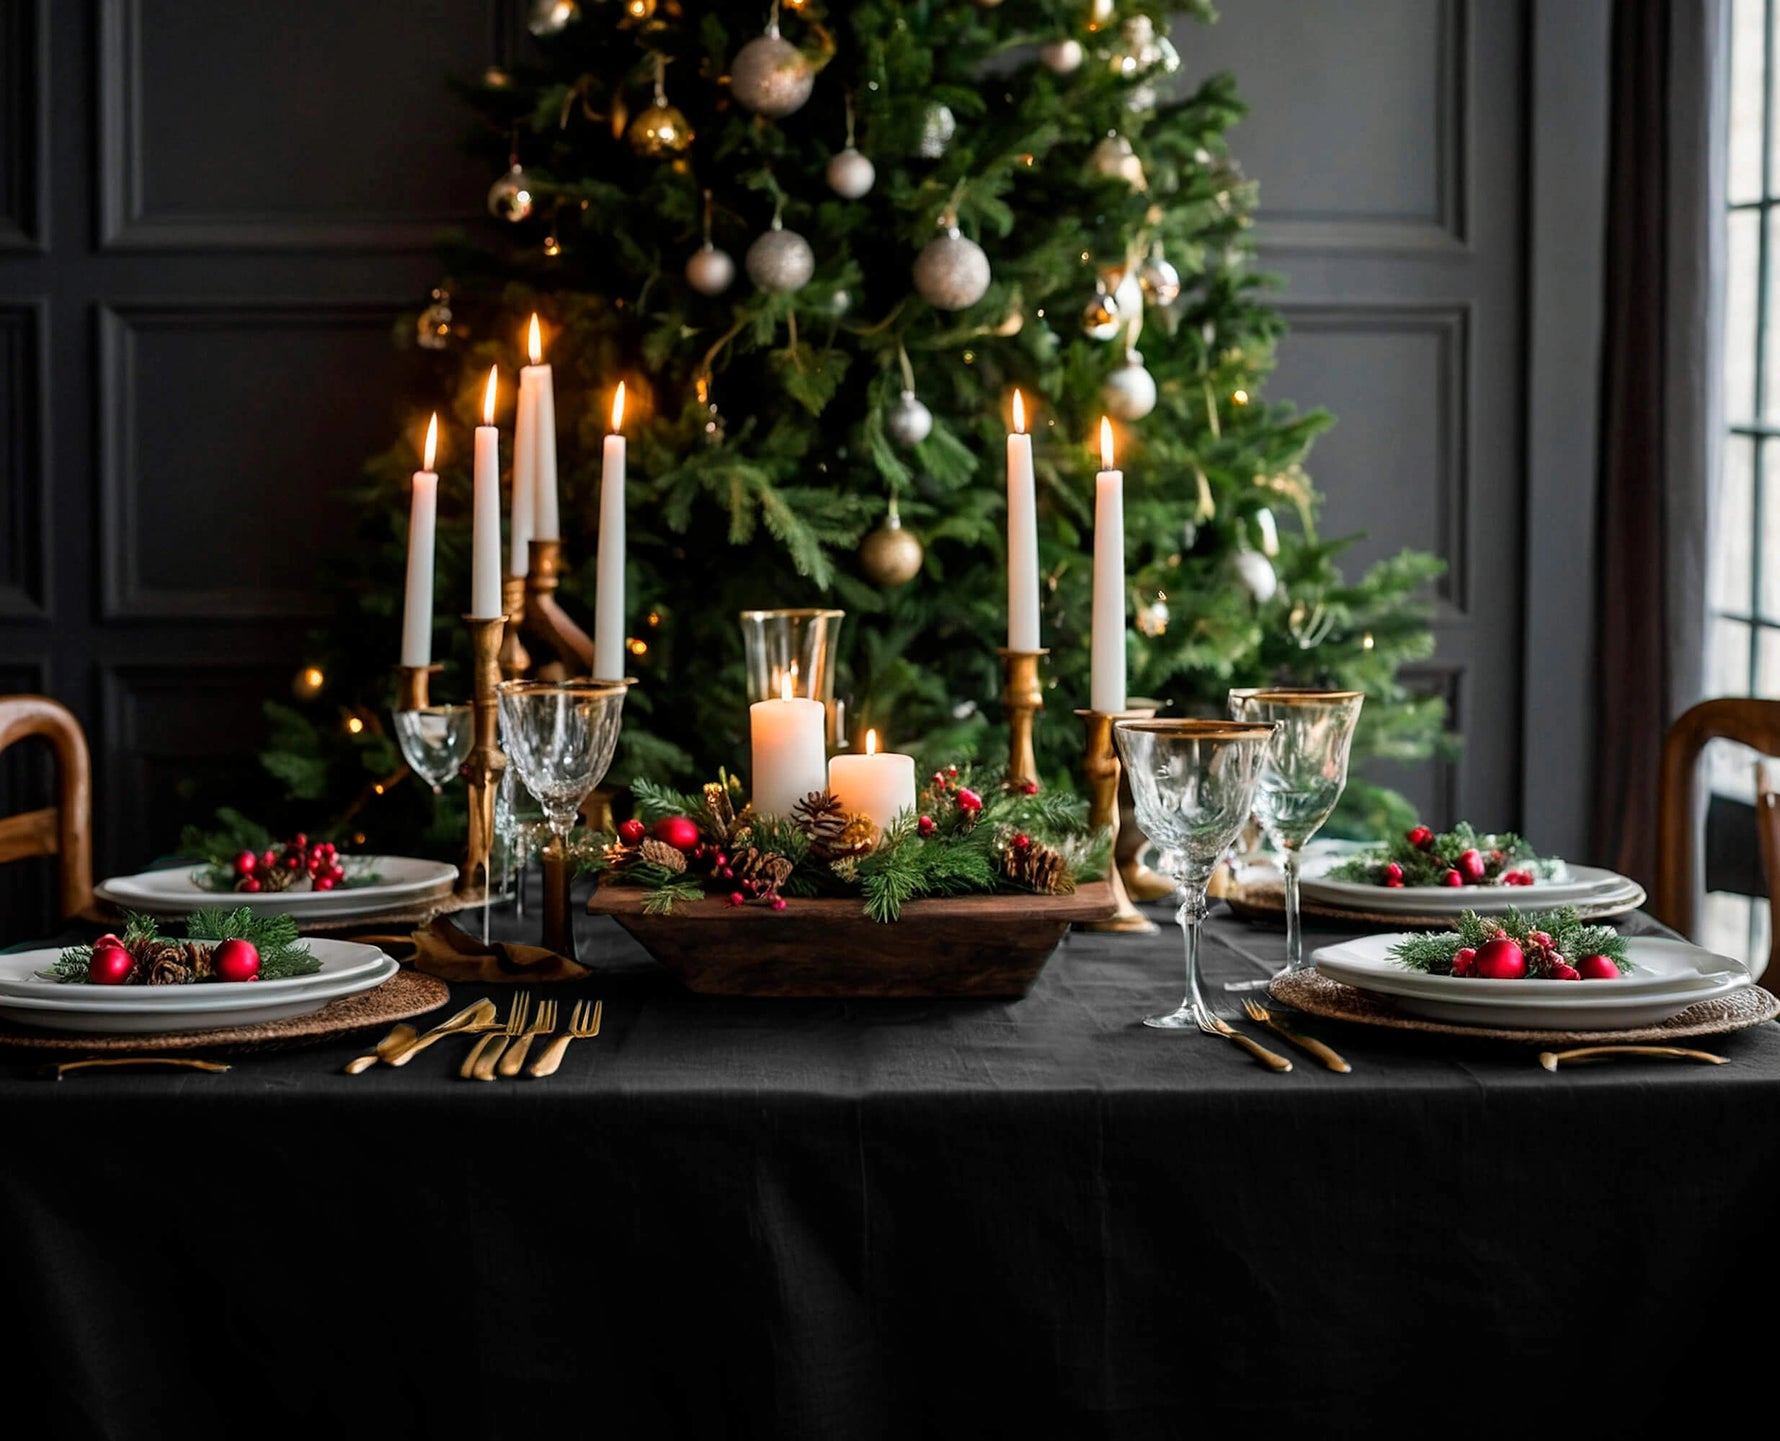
x,y
608,598
485,512
1022,537
1106,674
417,598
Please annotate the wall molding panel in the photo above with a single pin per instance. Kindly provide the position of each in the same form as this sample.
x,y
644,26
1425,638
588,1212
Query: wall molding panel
x,y
24,461
24,125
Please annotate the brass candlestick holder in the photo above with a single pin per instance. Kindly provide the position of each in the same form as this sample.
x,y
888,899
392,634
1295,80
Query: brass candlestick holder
x,y
413,686
1022,698
515,662
546,621
1101,767
486,762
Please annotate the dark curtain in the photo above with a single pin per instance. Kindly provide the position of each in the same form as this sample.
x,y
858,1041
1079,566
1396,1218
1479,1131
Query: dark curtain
x,y
1660,408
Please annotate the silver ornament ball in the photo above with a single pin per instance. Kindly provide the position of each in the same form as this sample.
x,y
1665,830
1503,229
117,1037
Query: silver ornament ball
x,y
1126,290
1062,56
1130,391
551,17
780,261
951,272
1160,281
771,76
937,131
1256,573
1114,156
710,271
851,175
1101,319
510,197
910,422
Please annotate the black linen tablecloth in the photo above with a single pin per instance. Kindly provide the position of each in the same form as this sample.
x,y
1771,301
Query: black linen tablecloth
x,y
828,1219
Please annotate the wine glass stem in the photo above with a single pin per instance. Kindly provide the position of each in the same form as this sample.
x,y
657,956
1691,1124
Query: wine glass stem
x,y
1294,922
1191,913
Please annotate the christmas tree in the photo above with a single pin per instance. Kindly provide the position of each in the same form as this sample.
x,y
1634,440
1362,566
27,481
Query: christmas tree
x,y
821,244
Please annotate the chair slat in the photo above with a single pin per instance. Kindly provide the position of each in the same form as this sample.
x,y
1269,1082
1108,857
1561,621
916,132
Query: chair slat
x,y
30,833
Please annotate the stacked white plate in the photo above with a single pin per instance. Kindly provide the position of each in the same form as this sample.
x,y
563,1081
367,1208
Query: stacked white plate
x,y
1666,977
1588,886
32,999
402,881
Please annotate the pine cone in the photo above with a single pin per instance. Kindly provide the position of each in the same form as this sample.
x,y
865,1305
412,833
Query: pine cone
x,y
278,878
173,963
662,854
764,868
1039,868
822,817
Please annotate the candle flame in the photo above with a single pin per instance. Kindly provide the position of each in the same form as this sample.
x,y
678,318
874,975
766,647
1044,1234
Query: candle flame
x,y
618,408
489,394
432,440
785,685
535,342
1019,414
871,743
1106,450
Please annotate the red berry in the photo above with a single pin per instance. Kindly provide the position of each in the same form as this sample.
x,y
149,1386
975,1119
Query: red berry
x,y
1464,961
1501,961
631,832
1029,788
1419,837
236,961
1471,865
925,825
335,873
969,800
1517,878
110,966
1394,885
299,842
268,860
736,898
293,862
323,883
677,831
1597,968
1540,939
1022,842
1497,857
939,779
952,771
315,865
245,863
719,859
1452,879
328,850
1393,873
1562,972
250,885
108,939
726,874
778,903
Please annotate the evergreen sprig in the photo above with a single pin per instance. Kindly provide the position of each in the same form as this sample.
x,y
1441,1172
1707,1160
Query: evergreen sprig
x,y
1425,863
1572,938
283,952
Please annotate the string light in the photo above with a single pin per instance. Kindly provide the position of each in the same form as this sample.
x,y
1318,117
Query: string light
x,y
354,725
1239,397
1366,641
637,647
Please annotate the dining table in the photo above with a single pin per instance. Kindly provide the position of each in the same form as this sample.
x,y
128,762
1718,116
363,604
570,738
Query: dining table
x,y
896,1218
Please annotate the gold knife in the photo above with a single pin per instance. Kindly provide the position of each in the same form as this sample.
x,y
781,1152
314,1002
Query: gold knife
x,y
1550,1059
477,1017
185,1062
393,1044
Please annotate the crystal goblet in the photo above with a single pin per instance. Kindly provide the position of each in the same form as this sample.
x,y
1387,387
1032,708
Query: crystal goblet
x,y
435,741
559,736
1193,782
1303,777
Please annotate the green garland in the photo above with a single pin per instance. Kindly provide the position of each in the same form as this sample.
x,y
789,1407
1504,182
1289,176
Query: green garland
x,y
1546,939
283,952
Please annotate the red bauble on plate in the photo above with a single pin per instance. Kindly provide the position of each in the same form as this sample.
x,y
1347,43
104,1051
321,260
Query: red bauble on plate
x,y
677,831
111,965
1501,961
1471,866
236,961
1598,968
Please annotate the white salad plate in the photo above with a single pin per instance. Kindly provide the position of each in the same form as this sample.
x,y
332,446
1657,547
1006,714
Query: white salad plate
x,y
1578,885
1666,977
402,881
30,998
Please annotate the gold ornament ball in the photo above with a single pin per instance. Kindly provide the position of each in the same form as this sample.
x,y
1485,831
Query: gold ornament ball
x,y
660,133
1114,156
890,556
551,17
771,76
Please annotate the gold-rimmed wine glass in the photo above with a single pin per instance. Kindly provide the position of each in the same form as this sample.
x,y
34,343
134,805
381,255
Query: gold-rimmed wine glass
x,y
1302,778
1193,782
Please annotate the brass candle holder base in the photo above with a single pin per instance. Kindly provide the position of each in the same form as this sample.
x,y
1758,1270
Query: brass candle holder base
x,y
1022,698
558,923
516,663
1141,883
1101,767
485,763
414,686
546,621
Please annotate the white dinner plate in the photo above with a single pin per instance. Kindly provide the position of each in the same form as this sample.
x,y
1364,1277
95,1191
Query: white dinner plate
x,y
1582,885
404,881
116,1010
1666,977
21,977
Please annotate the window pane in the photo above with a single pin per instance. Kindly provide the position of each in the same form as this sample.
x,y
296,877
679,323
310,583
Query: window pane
x,y
1746,117
1739,315
1724,924
1729,670
1732,582
1767,679
1730,770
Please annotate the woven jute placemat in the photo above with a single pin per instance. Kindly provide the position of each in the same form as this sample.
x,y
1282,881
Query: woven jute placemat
x,y
403,996
1266,901
1317,995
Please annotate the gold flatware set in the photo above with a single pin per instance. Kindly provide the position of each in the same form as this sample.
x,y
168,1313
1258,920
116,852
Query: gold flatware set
x,y
502,1043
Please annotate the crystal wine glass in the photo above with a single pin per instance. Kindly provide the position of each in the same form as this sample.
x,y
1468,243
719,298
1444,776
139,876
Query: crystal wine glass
x,y
1193,782
560,736
435,741
1304,776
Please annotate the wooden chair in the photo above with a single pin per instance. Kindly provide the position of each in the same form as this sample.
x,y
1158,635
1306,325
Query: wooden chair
x,y
63,830
1750,722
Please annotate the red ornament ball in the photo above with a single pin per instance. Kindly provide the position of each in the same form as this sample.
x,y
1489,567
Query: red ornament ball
x,y
677,831
925,825
1419,837
246,863
236,961
1393,885
1501,961
1560,971
631,832
969,800
1452,879
1464,961
110,966
110,938
1393,873
250,885
1597,968
1471,865
323,883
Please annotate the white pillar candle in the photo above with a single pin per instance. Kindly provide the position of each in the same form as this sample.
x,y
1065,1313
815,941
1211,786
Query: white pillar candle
x,y
1106,674
608,596
881,787
789,754
485,513
1022,537
525,461
417,599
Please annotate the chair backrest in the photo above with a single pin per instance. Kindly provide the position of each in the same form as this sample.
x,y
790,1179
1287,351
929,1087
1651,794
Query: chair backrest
x,y
63,830
1750,722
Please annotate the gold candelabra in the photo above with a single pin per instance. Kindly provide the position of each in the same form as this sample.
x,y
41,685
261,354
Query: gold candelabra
x,y
486,762
515,662
1022,698
413,683
1102,770
545,620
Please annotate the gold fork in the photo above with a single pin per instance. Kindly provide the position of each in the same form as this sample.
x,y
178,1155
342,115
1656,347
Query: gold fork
x,y
584,1025
514,1056
1260,1014
479,1064
1216,1026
